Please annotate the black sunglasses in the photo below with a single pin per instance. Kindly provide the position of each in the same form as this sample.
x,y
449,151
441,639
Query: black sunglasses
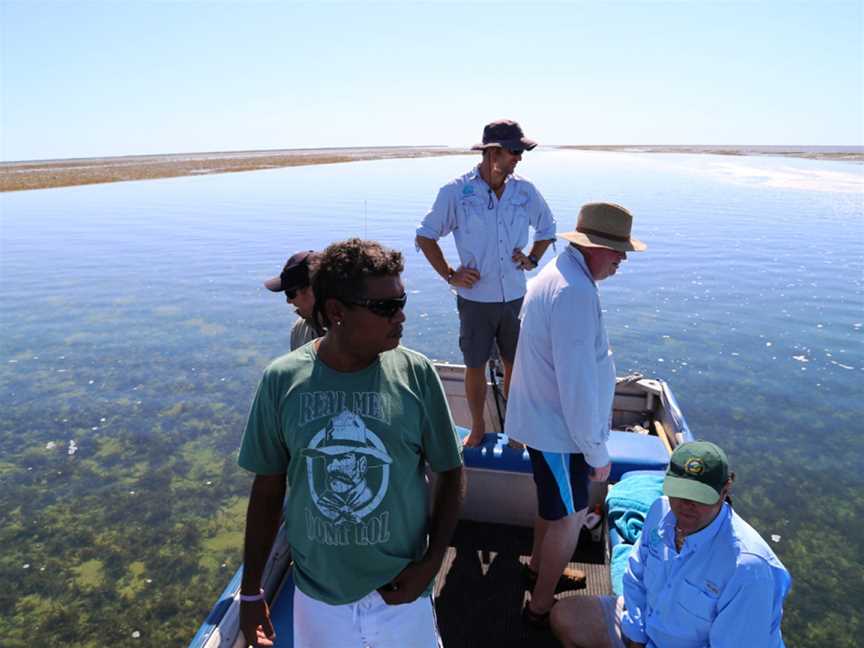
x,y
381,307
291,294
516,151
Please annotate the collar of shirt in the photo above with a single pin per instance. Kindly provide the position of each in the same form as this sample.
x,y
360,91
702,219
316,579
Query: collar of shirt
x,y
695,540
474,176
578,258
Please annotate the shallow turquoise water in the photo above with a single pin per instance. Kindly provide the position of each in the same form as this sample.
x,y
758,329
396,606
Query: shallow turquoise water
x,y
135,326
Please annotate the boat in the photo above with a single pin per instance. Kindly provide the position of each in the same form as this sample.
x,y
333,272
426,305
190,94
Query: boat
x,y
478,592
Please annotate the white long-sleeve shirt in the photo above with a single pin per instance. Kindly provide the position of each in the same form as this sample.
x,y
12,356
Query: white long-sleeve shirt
x,y
564,375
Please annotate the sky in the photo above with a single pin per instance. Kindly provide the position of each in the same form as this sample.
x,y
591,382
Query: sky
x,y
127,77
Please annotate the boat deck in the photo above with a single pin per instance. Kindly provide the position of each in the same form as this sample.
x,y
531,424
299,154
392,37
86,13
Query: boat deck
x,y
479,591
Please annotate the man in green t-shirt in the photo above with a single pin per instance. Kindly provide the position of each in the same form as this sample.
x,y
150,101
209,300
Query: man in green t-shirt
x,y
350,422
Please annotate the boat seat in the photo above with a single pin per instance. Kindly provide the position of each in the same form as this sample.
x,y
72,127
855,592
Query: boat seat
x,y
629,452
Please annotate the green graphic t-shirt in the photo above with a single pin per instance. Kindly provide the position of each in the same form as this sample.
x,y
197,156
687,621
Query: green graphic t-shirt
x,y
354,447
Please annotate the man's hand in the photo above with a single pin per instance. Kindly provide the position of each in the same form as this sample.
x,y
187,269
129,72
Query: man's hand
x,y
464,277
522,261
600,474
410,583
255,624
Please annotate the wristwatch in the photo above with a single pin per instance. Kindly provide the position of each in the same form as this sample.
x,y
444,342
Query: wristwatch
x,y
450,274
533,260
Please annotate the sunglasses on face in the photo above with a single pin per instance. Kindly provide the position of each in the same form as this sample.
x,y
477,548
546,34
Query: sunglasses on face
x,y
381,307
291,294
516,151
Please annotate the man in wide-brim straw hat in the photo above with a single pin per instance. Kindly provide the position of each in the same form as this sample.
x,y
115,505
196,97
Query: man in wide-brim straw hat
x,y
562,389
488,210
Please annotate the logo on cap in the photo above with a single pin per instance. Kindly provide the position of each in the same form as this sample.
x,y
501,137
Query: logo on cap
x,y
694,466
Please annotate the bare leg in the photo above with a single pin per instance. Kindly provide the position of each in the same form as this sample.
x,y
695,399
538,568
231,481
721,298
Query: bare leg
x,y
475,394
559,543
540,527
508,373
579,622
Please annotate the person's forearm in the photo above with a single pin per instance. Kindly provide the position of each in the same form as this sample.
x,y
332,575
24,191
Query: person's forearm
x,y
262,523
539,248
432,251
449,495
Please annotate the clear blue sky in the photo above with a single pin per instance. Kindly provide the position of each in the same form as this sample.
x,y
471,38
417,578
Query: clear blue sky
x,y
86,79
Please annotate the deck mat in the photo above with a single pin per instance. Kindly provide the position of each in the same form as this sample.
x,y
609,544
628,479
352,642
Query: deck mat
x,y
479,590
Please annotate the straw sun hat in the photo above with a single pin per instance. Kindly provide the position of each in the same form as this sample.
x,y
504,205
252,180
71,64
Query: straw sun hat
x,y
604,225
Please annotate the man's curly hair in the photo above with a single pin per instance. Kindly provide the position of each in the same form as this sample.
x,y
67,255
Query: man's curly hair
x,y
342,269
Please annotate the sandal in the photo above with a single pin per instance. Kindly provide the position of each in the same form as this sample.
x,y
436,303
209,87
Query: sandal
x,y
571,579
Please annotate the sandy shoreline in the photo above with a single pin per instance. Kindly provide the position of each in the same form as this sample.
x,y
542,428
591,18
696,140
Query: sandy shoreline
x,y
838,153
44,174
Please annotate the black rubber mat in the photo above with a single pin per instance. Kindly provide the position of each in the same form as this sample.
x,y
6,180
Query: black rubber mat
x,y
480,590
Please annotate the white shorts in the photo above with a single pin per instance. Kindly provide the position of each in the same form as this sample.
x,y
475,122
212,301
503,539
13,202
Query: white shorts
x,y
367,623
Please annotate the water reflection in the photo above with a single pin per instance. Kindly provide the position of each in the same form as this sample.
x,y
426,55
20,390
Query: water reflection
x,y
135,328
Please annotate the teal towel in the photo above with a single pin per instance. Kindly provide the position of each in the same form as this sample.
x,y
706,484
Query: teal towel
x,y
620,556
628,502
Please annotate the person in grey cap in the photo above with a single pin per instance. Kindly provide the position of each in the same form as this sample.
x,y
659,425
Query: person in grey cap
x,y
488,210
295,283
698,575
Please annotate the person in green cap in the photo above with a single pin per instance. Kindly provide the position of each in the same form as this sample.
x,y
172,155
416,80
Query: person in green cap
x,y
698,576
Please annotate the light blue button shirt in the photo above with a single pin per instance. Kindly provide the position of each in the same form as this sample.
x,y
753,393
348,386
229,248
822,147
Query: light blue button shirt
x,y
487,229
725,589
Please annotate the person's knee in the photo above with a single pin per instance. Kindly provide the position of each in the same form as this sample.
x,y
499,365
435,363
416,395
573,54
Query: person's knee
x,y
564,624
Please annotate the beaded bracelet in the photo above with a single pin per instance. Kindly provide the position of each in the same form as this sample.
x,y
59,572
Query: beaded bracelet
x,y
249,598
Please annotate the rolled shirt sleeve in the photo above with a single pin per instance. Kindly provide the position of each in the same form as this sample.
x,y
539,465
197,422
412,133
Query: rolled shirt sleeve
x,y
441,219
542,220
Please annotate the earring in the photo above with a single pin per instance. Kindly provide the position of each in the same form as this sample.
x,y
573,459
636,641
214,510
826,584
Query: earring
x,y
338,322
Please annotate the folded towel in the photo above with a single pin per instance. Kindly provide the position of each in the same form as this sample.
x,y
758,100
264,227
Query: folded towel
x,y
620,556
628,502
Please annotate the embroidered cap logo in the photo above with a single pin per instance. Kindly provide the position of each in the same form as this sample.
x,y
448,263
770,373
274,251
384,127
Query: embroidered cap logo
x,y
694,466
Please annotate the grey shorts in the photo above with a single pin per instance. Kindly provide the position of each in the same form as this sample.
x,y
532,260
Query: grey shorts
x,y
613,610
481,324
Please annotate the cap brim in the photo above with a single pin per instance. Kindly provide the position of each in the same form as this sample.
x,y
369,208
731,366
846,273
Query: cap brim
x,y
274,284
592,240
690,489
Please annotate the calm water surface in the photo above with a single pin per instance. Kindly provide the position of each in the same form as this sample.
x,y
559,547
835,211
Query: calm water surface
x,y
135,327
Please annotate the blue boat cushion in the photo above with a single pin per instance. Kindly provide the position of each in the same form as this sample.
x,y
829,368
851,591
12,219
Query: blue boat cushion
x,y
628,451
631,451
492,455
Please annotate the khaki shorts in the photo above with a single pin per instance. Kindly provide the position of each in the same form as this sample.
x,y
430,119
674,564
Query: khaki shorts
x,y
483,323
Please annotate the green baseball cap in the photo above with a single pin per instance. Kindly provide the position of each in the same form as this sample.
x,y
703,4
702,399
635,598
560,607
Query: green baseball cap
x,y
697,471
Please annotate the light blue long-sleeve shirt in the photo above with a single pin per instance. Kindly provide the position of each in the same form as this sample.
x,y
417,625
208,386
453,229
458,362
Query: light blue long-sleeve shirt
x,y
563,379
725,589
487,229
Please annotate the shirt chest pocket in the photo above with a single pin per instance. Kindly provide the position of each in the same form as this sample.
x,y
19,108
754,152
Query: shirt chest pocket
x,y
698,609
516,219
470,216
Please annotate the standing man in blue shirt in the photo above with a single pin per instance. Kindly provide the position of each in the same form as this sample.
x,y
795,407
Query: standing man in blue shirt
x,y
698,576
488,210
